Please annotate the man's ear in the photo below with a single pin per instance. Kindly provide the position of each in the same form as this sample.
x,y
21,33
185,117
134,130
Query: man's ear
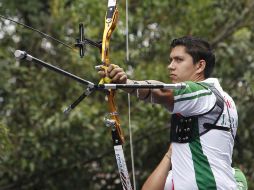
x,y
200,66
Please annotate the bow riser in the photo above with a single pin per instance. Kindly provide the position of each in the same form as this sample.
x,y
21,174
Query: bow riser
x,y
111,19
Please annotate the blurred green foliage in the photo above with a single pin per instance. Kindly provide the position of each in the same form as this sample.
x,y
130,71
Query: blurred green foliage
x,y
41,148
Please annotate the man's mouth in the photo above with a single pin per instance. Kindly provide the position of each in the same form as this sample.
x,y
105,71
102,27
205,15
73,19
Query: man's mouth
x,y
172,76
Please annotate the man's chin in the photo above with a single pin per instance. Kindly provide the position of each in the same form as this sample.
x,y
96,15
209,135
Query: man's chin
x,y
174,81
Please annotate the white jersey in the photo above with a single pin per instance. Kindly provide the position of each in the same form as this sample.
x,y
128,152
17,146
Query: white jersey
x,y
204,163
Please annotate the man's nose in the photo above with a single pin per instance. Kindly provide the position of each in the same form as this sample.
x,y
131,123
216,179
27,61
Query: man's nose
x,y
171,65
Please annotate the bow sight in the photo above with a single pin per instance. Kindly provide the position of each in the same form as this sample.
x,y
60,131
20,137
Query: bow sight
x,y
82,41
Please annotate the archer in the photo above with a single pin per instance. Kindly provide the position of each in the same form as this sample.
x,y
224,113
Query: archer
x,y
203,126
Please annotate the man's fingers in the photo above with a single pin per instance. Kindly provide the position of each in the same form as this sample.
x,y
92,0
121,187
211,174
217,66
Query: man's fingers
x,y
124,77
112,67
120,77
114,72
102,74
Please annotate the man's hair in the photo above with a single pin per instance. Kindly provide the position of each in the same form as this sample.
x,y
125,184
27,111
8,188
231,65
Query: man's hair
x,y
198,49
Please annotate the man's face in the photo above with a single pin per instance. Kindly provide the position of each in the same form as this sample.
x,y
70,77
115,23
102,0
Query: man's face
x,y
181,66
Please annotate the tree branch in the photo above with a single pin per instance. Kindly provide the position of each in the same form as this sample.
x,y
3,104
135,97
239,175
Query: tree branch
x,y
233,26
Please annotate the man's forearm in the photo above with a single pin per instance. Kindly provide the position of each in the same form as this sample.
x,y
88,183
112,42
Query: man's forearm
x,y
159,96
157,180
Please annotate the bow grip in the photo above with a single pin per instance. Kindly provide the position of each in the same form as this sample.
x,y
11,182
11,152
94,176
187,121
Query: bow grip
x,y
105,80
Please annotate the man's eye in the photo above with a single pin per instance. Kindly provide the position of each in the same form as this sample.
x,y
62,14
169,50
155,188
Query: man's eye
x,y
178,60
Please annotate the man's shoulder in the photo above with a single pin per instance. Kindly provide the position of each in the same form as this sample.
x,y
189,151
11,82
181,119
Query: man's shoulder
x,y
192,88
192,92
196,98
215,82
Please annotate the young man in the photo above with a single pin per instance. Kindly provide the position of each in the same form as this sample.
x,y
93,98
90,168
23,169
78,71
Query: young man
x,y
203,124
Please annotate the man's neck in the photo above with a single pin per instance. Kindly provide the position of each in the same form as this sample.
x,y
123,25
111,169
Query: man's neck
x,y
198,78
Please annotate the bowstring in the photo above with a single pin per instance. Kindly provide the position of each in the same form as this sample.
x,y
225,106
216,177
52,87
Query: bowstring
x,y
129,99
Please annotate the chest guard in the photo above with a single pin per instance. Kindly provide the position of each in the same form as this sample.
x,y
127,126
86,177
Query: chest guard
x,y
187,129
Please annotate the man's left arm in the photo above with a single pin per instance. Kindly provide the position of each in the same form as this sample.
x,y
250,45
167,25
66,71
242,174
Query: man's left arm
x,y
157,180
159,96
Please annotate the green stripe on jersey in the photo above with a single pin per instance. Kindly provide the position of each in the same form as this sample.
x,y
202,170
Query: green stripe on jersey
x,y
192,91
190,88
204,176
193,97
